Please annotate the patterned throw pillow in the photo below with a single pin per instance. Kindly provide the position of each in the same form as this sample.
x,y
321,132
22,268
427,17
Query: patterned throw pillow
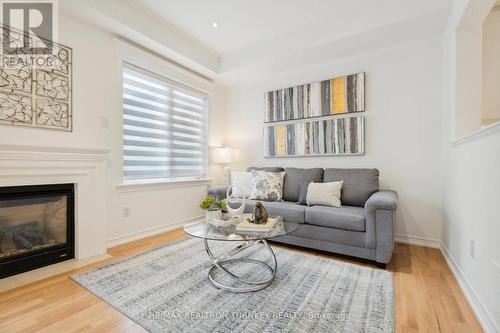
x,y
267,186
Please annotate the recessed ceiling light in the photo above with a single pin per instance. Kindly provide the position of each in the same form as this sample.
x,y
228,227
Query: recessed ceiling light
x,y
215,24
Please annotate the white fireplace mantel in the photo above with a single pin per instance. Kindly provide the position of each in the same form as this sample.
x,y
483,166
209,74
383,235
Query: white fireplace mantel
x,y
86,168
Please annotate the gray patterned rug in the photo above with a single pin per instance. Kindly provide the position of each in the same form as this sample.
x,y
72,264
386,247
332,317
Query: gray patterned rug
x,y
167,290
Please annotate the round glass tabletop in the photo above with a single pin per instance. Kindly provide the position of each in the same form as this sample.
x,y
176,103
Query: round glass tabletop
x,y
204,229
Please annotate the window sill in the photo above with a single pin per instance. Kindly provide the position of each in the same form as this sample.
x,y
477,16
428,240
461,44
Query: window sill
x,y
160,184
482,132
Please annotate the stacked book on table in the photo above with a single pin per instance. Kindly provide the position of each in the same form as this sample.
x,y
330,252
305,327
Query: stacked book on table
x,y
246,226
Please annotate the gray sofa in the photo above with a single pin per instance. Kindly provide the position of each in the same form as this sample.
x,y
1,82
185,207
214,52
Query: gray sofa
x,y
363,227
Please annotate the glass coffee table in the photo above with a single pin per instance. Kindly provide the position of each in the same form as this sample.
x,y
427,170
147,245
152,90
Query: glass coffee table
x,y
226,262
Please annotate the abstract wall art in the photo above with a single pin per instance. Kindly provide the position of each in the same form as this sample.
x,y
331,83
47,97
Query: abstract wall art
x,y
35,89
337,136
316,119
340,95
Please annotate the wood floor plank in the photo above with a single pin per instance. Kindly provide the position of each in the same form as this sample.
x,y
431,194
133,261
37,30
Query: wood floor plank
x,y
426,294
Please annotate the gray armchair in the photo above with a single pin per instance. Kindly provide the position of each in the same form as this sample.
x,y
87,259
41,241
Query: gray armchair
x,y
218,192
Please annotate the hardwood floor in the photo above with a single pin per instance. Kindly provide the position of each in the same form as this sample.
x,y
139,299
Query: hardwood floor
x,y
427,296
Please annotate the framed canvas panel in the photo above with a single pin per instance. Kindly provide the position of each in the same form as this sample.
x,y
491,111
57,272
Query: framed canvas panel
x,y
333,136
336,96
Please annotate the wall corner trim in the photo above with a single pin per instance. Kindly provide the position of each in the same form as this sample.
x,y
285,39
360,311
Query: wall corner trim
x,y
483,315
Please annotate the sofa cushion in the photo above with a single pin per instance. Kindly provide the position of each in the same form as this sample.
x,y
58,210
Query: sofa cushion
x,y
295,176
290,211
303,193
346,217
268,169
359,184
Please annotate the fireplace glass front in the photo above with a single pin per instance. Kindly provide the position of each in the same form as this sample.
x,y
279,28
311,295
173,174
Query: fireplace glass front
x,y
36,226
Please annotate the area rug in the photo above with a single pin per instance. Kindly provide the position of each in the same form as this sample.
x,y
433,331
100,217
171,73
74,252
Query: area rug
x,y
167,290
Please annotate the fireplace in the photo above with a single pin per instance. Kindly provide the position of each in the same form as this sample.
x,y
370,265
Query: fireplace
x,y
37,226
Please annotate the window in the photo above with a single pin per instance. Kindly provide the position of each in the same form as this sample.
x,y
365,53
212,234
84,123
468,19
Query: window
x,y
163,127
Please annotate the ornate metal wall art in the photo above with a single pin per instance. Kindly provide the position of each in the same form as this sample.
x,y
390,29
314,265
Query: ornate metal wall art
x,y
35,89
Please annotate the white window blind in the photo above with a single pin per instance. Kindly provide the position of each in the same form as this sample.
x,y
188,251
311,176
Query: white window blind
x,y
163,127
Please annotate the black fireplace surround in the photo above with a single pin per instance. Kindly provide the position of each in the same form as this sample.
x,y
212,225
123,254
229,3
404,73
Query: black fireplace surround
x,y
37,226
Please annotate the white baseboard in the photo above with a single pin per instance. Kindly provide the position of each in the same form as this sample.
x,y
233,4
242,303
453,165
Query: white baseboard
x,y
416,240
148,232
485,318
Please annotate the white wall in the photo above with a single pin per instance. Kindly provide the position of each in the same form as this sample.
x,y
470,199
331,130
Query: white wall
x,y
469,64
471,190
491,67
470,213
403,126
97,124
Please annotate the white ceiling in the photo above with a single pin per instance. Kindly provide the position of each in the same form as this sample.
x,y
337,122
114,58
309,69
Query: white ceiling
x,y
246,23
256,38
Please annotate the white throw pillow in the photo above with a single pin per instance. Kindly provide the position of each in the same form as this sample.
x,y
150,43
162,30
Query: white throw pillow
x,y
243,183
324,194
267,186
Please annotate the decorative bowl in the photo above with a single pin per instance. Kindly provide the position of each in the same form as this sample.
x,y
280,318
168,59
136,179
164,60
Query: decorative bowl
x,y
225,220
220,222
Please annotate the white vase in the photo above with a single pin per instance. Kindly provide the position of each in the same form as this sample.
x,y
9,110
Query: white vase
x,y
230,199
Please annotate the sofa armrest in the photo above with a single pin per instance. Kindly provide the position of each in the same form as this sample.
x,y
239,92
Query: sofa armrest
x,y
218,191
387,200
380,216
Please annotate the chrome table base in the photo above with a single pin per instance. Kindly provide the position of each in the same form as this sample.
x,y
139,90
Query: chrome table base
x,y
220,266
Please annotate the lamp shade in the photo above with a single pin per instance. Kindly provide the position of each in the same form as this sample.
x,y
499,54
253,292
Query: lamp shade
x,y
222,155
